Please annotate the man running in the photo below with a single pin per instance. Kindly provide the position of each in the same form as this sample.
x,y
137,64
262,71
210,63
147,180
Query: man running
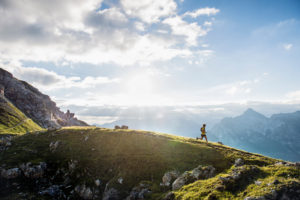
x,y
203,132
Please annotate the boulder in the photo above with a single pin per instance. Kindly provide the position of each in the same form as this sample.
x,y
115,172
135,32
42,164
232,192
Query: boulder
x,y
239,162
53,191
84,192
97,182
110,194
33,172
169,196
169,178
124,127
196,174
53,146
139,192
11,173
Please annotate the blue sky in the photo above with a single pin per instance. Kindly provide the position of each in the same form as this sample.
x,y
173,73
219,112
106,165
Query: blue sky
x,y
164,52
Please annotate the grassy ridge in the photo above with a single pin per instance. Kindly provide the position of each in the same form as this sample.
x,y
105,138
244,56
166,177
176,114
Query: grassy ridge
x,y
13,121
137,156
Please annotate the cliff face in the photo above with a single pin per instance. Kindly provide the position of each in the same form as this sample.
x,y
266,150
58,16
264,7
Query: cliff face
x,y
34,104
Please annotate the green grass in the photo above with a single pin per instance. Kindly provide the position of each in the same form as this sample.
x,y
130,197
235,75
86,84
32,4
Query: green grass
x,y
137,156
13,121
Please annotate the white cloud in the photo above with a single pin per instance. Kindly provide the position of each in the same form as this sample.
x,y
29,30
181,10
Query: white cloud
x,y
49,80
202,11
191,31
149,11
206,23
287,46
81,32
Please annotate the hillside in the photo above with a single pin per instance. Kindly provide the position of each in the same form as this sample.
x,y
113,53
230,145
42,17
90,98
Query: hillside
x,y
13,121
37,106
276,136
99,163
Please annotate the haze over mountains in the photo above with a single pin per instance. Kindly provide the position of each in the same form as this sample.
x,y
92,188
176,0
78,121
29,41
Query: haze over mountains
x,y
276,136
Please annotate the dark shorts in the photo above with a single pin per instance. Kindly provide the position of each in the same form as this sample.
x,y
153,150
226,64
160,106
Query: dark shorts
x,y
203,135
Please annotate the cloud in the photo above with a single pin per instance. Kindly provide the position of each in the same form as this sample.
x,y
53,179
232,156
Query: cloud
x,y
149,11
49,80
191,31
202,11
287,46
85,32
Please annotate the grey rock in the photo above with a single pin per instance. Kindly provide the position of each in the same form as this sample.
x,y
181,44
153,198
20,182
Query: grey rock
x,y
84,192
72,164
169,178
36,171
53,191
54,145
110,194
97,182
196,174
257,182
239,162
34,104
11,173
169,196
139,192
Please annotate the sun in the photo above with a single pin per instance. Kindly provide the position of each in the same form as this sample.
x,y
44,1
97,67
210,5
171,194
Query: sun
x,y
141,89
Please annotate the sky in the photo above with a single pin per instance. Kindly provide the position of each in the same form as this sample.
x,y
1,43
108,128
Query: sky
x,y
154,52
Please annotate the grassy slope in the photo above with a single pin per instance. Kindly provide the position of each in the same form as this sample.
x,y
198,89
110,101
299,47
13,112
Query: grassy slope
x,y
138,156
13,121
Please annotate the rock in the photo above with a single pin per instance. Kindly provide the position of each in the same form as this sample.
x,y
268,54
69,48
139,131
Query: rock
x,y
237,176
86,138
11,173
169,178
117,127
139,192
34,104
53,146
220,143
84,192
203,172
239,162
97,182
257,182
120,180
278,164
196,174
124,127
169,196
182,180
255,198
72,164
220,188
36,171
110,194
53,191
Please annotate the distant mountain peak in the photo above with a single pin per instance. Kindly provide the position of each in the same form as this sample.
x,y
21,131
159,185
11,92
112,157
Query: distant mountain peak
x,y
252,113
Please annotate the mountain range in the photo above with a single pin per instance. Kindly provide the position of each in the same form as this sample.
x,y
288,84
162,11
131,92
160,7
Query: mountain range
x,y
277,136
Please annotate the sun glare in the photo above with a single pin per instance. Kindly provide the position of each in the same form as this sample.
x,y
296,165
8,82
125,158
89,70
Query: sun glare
x,y
141,89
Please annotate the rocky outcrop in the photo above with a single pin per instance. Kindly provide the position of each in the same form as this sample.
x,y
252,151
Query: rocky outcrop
x,y
35,105
286,192
169,178
239,176
191,176
139,192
